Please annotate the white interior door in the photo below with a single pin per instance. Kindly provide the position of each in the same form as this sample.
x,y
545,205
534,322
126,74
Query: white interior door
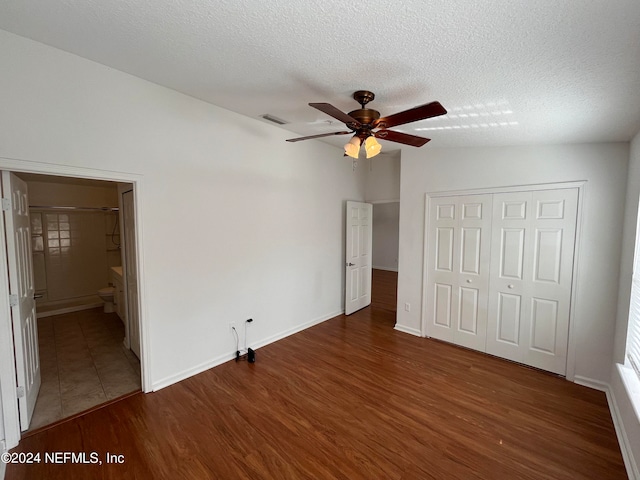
x,y
359,226
130,271
531,276
458,234
21,287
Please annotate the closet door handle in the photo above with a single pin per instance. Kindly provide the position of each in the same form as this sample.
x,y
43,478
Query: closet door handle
x,y
469,280
509,286
350,264
35,296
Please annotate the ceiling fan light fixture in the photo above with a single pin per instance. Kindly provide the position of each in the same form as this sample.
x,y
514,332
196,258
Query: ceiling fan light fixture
x,y
353,147
372,147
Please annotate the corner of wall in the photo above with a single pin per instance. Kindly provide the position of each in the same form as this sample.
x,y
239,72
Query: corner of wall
x,y
627,248
625,421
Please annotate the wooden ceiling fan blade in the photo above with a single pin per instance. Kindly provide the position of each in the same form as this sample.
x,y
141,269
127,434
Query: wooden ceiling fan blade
x,y
429,110
317,136
399,137
338,114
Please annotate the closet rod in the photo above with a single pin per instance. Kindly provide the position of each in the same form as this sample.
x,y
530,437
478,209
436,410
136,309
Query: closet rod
x,y
51,207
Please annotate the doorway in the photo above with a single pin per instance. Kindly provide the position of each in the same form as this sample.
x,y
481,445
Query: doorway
x,y
80,320
386,234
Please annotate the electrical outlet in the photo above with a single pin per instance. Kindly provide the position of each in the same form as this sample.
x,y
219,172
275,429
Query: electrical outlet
x,y
407,307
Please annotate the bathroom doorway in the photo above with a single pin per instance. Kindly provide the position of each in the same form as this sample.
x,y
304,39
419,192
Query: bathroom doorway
x,y
76,238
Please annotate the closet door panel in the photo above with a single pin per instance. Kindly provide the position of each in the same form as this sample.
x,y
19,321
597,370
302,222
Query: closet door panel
x,y
554,233
509,265
543,248
458,269
441,306
508,318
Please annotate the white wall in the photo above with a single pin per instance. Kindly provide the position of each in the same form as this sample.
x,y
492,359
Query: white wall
x,y
386,235
235,222
383,177
622,397
383,185
603,166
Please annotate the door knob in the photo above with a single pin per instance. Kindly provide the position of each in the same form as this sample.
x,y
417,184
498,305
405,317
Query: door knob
x,y
469,280
351,264
36,296
509,286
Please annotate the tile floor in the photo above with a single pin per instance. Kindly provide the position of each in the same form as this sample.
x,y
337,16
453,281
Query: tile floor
x,y
83,364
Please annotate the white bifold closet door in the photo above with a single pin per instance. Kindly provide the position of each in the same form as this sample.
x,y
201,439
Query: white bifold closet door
x,y
459,238
499,273
532,245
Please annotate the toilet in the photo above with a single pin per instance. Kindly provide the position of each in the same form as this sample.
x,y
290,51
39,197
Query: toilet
x,y
106,294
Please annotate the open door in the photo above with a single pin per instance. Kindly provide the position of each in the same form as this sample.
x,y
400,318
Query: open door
x,y
15,206
359,229
131,271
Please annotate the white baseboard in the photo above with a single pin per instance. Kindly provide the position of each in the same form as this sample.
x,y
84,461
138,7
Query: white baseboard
x,y
591,383
75,308
299,328
386,269
190,372
625,447
409,330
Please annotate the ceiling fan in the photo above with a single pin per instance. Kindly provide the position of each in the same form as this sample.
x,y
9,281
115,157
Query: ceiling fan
x,y
367,125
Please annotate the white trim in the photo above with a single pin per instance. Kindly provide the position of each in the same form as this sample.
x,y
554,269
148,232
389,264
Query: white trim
x,y
145,346
3,469
625,446
387,269
508,189
409,330
27,166
572,340
591,383
581,186
425,265
299,328
375,202
631,384
8,380
189,372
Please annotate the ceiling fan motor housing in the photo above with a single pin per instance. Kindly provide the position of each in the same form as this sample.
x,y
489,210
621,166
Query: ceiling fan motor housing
x,y
366,116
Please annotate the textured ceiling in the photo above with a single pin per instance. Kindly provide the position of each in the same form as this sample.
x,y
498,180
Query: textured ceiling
x,y
509,72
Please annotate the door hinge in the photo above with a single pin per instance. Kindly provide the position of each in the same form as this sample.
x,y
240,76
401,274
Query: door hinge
x,y
20,392
13,300
6,204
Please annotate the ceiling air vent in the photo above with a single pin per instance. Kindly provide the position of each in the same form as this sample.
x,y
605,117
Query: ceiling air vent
x,y
271,118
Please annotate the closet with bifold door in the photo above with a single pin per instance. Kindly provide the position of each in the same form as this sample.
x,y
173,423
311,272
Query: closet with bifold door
x,y
499,273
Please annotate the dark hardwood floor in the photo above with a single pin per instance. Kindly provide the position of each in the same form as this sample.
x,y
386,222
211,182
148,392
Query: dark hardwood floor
x,y
350,398
384,288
